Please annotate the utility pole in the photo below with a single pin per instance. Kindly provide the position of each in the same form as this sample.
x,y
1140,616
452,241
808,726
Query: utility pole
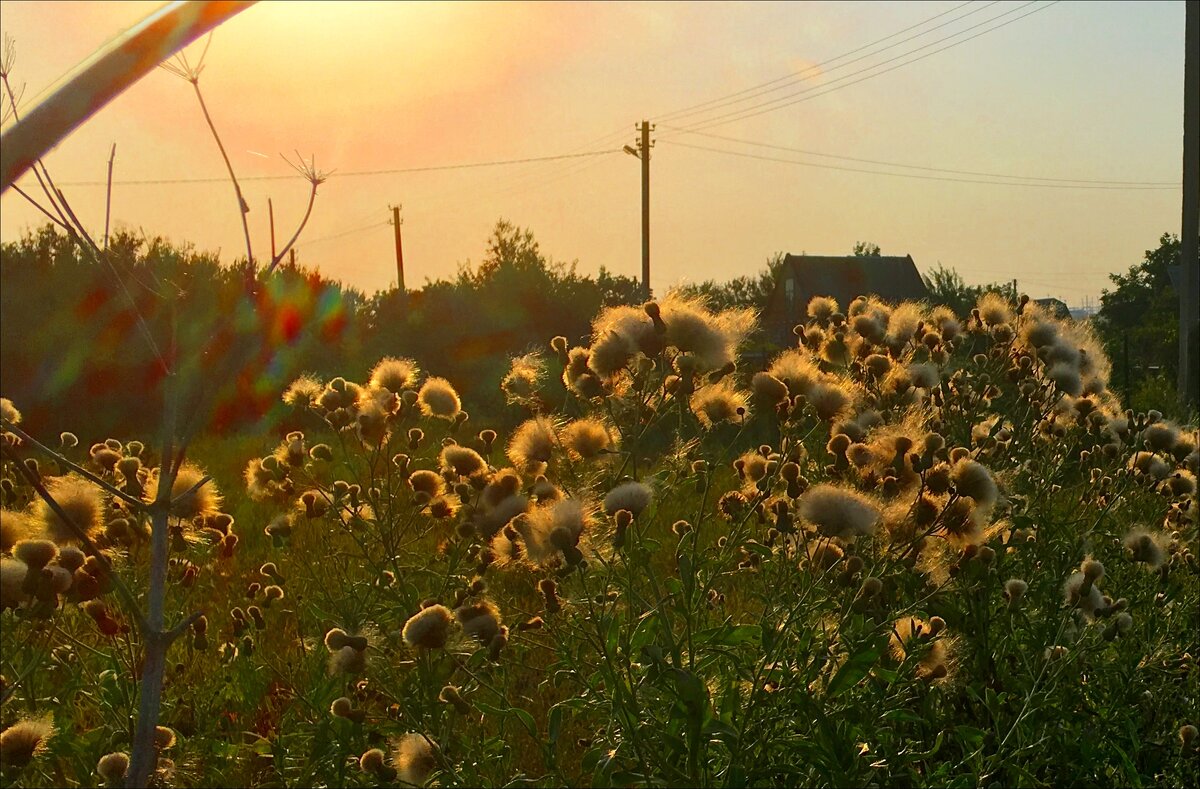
x,y
1189,235
396,222
644,144
271,214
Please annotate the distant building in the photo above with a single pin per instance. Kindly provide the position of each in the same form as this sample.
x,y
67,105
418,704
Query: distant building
x,y
844,278
1056,307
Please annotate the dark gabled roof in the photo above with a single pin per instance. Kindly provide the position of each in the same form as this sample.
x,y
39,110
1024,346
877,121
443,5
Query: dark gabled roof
x,y
1057,307
890,277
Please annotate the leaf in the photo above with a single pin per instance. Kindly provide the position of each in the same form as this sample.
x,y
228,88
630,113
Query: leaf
x,y
554,724
902,715
526,720
730,636
970,735
686,573
853,670
643,634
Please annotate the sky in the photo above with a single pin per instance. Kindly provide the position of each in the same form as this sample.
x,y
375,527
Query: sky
x,y
1066,90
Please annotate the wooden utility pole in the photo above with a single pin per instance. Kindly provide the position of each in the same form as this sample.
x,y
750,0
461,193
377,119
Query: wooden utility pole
x,y
642,151
271,214
1189,235
396,222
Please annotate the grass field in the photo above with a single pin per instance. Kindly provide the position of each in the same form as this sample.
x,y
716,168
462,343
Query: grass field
x,y
919,549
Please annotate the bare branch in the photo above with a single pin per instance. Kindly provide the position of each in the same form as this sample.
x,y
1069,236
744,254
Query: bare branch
x,y
179,629
243,206
133,501
41,208
92,549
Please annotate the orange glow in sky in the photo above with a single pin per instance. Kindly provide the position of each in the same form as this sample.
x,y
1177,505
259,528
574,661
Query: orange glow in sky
x,y
1076,90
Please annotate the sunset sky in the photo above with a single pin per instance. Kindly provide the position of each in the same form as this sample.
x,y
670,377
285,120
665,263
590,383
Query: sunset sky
x,y
1076,90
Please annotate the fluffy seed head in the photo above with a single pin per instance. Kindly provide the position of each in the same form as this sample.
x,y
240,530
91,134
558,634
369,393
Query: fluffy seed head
x,y
464,461
532,444
838,512
205,500
719,402
1146,547
371,761
796,369
711,338
993,309
831,398
426,481
1086,595
1014,590
521,382
14,527
437,398
347,660
632,496
304,392
429,628
12,578
768,390
924,375
558,527
972,478
480,620
9,412
586,438
35,553
1066,377
394,374
164,737
414,758
79,499
113,766
821,308
24,740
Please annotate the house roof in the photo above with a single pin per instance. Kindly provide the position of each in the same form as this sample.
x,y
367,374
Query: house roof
x,y
892,278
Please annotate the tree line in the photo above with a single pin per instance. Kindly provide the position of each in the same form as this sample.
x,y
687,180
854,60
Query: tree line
x,y
73,335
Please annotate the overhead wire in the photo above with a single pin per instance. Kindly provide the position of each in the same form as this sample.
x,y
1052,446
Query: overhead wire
x,y
811,93
921,167
347,174
746,155
783,82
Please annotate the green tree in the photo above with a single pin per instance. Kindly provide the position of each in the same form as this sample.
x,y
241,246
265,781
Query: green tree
x,y
509,303
948,288
866,249
749,290
1138,320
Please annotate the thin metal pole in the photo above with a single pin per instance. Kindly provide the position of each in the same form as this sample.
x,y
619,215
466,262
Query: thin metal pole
x,y
1189,234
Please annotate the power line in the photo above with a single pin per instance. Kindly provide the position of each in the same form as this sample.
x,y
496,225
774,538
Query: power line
x,y
912,175
342,234
790,99
350,173
920,167
795,76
